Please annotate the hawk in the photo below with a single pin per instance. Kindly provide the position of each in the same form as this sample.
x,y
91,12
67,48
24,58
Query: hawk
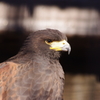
x,y
35,72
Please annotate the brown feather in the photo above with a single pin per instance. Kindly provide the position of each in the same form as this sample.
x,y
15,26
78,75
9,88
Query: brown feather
x,y
35,72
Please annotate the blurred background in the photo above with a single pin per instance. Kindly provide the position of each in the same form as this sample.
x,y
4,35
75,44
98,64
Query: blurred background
x,y
78,19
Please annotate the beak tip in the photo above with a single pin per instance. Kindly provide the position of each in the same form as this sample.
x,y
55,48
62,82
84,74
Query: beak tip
x,y
69,50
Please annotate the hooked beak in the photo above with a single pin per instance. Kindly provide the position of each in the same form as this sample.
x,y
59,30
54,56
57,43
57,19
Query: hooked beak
x,y
60,46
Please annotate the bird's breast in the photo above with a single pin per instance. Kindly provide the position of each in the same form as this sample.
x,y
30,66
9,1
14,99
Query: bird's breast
x,y
35,81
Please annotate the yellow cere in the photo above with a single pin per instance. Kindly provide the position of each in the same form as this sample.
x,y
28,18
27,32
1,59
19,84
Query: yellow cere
x,y
57,45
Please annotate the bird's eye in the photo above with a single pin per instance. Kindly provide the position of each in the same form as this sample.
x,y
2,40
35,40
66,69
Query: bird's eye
x,y
49,40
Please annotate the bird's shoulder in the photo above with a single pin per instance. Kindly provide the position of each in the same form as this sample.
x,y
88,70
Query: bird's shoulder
x,y
6,70
5,66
